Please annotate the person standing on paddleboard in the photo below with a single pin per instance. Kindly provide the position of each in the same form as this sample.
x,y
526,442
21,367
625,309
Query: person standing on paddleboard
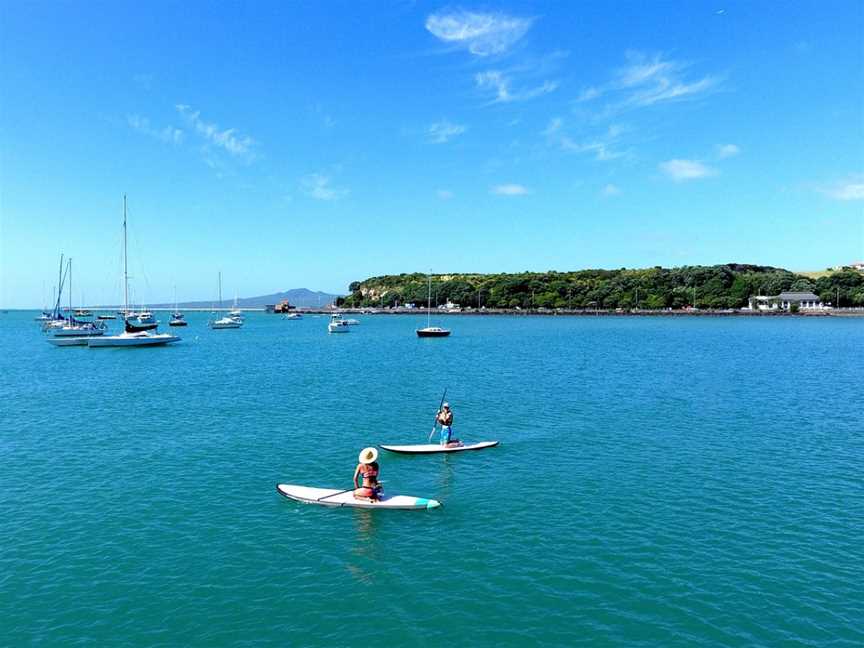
x,y
445,420
368,468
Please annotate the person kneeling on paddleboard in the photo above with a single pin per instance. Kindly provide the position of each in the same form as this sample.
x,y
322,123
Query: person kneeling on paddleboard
x,y
445,419
368,468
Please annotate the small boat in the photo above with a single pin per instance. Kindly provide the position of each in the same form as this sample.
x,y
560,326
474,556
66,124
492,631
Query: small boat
x,y
235,312
79,329
429,330
433,331
44,317
432,448
131,338
83,313
337,324
228,322
176,316
141,321
106,317
292,316
352,322
72,329
341,498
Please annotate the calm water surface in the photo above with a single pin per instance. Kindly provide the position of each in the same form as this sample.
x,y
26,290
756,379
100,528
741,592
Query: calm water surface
x,y
659,481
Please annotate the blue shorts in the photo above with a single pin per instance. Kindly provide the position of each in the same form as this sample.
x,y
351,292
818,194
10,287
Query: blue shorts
x,y
445,434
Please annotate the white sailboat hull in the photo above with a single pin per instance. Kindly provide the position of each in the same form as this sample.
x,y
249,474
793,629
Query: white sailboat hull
x,y
68,341
139,339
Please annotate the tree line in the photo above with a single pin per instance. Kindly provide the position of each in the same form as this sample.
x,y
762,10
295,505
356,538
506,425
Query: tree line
x,y
706,287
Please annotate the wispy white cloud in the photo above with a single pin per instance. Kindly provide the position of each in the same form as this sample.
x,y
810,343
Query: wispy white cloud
x,y
611,190
229,139
727,150
603,146
509,190
482,34
320,187
445,194
851,188
649,80
168,134
683,170
443,131
500,83
553,127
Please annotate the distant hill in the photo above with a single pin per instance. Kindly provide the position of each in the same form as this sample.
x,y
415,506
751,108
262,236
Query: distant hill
x,y
302,297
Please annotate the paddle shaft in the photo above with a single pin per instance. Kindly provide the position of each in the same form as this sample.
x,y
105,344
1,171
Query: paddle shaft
x,y
347,490
440,405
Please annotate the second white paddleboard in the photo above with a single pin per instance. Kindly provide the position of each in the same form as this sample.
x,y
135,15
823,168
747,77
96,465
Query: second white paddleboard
x,y
434,448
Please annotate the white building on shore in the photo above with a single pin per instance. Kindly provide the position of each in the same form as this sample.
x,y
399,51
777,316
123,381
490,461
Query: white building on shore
x,y
786,300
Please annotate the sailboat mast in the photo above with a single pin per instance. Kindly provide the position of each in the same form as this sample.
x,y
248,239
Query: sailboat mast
x,y
70,291
220,290
59,287
125,267
429,302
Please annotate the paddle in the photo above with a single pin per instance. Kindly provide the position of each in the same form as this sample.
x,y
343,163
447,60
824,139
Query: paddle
x,y
440,405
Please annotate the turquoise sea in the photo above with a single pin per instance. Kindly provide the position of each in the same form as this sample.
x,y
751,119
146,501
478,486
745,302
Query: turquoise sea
x,y
660,481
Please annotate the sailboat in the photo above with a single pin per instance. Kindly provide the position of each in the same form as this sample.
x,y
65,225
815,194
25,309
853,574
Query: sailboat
x,y
235,312
130,338
74,332
228,322
176,316
429,330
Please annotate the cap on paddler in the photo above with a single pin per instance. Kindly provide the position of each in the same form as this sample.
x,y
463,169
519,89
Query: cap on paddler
x,y
446,406
368,455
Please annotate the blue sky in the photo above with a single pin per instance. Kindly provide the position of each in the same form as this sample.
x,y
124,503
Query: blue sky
x,y
316,143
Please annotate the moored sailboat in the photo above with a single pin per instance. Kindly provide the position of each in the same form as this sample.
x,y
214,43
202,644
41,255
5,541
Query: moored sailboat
x,y
429,330
131,338
225,322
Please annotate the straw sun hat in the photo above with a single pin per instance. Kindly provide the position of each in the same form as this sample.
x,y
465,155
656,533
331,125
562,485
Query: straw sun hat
x,y
368,455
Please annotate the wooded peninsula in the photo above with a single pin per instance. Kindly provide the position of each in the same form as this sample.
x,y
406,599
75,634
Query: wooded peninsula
x,y
705,287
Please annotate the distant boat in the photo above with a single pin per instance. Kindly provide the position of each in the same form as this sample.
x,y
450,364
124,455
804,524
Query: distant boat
x,y
72,332
429,330
131,338
141,321
337,324
235,312
293,316
176,316
352,322
227,322
106,317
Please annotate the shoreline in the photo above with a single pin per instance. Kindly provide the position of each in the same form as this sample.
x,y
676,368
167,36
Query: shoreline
x,y
499,312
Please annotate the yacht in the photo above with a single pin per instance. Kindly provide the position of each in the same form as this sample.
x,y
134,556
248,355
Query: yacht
x,y
176,316
229,321
429,330
131,338
337,324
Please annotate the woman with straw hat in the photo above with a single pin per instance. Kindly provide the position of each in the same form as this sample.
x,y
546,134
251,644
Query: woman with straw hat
x,y
368,467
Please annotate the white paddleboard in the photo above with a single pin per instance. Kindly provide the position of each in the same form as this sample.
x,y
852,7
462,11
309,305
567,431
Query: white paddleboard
x,y
335,497
434,448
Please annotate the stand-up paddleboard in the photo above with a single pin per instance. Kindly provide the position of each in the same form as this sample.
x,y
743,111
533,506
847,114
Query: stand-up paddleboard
x,y
434,448
336,497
